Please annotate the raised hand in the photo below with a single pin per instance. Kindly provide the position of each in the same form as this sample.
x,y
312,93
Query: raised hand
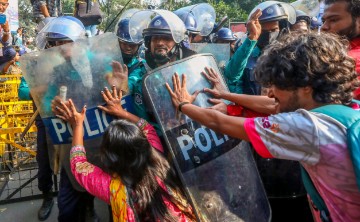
x,y
119,77
70,114
218,89
113,103
56,102
253,25
180,93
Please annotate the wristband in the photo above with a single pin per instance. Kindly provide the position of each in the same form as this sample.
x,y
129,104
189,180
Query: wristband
x,y
181,104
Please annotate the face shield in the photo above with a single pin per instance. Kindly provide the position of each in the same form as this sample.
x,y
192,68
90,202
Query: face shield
x,y
62,26
141,20
204,15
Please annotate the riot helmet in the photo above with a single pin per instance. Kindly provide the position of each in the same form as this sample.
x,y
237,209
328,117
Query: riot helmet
x,y
302,23
189,21
164,25
158,27
129,48
61,29
274,11
224,34
302,16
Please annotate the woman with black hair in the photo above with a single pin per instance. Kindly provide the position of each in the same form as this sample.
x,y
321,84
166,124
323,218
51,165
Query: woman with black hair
x,y
137,181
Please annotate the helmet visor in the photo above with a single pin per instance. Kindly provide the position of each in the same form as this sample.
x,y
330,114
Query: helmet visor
x,y
62,26
141,20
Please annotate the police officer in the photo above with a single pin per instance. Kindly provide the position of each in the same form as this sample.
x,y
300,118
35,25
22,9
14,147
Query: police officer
x,y
73,202
302,23
191,25
225,35
161,47
135,65
263,28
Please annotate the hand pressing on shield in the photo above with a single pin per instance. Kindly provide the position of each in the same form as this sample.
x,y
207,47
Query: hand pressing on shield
x,y
180,96
68,113
57,102
218,89
119,76
113,105
231,126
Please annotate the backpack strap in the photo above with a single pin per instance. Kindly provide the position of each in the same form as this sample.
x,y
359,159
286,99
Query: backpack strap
x,y
314,195
350,118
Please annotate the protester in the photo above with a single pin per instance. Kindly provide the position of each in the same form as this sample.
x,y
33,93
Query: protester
x,y
18,38
298,132
136,180
5,28
343,17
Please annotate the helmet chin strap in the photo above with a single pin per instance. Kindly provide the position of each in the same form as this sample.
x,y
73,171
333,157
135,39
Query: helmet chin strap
x,y
163,59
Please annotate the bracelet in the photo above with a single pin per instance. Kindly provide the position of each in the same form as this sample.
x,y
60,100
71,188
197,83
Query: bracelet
x,y
181,104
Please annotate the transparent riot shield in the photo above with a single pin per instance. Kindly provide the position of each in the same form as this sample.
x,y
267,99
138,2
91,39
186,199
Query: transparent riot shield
x,y
79,71
218,172
221,52
205,17
310,7
141,19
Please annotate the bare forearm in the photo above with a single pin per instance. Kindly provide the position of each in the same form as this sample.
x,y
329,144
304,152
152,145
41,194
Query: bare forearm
x,y
232,126
44,11
261,104
5,37
78,135
128,116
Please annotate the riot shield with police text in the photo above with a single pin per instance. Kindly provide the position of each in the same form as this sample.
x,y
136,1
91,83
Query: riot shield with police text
x,y
79,71
218,172
221,52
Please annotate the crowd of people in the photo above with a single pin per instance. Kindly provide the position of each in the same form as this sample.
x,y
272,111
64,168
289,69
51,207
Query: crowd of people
x,y
292,88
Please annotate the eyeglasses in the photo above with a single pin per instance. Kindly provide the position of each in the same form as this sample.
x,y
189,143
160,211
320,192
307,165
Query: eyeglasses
x,y
4,3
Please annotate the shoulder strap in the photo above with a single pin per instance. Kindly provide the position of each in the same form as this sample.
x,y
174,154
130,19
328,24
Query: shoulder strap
x,y
136,65
350,118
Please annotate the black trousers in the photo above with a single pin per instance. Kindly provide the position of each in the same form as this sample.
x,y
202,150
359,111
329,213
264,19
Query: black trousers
x,y
45,173
72,203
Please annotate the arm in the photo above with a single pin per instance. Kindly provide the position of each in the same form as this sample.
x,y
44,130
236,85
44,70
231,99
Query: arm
x,y
114,108
292,136
44,10
6,34
235,68
232,126
7,66
260,104
228,125
91,177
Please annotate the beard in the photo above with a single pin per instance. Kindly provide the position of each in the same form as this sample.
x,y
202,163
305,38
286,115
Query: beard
x,y
349,32
292,104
